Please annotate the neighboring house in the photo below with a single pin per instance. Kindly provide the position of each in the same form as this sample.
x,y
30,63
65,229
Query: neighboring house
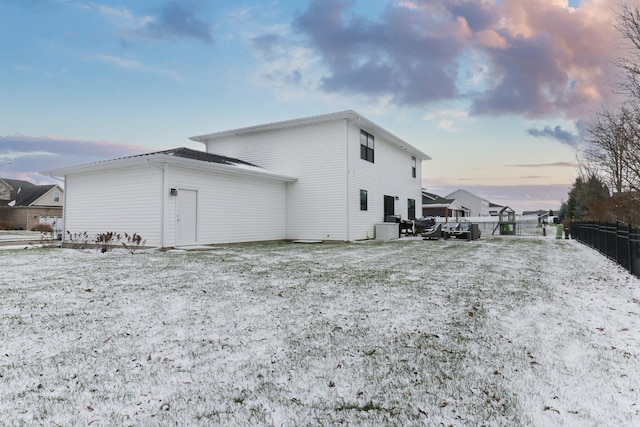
x,y
24,204
477,205
494,209
328,177
437,206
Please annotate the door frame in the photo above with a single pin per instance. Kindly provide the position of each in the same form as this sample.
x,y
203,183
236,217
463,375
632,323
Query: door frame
x,y
389,206
179,238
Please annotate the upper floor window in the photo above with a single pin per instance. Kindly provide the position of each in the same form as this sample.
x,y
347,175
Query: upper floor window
x,y
56,196
366,146
413,166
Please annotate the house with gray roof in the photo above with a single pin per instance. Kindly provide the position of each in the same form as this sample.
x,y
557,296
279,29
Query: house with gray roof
x,y
23,204
437,206
328,177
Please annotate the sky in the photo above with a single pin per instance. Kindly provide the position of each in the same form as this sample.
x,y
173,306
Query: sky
x,y
497,92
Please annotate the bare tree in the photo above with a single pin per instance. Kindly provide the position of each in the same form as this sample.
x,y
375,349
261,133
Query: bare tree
x,y
628,26
613,146
614,135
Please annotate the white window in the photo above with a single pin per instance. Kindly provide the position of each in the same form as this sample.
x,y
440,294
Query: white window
x,y
56,196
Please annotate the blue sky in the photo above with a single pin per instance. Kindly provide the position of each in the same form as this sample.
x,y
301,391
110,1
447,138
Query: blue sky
x,y
497,92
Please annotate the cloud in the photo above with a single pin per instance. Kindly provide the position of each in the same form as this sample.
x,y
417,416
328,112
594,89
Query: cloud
x,y
174,20
556,133
448,119
130,64
29,155
179,20
546,165
380,58
532,59
121,17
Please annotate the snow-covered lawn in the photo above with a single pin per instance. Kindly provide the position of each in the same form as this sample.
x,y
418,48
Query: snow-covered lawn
x,y
19,235
518,331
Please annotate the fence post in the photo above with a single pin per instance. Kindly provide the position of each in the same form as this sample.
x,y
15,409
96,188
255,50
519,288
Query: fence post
x,y
629,249
617,237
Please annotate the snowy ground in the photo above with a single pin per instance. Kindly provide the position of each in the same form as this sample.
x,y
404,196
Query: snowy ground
x,y
518,331
19,235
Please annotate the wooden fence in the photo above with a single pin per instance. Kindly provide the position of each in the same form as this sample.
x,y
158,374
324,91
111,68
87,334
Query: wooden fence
x,y
617,241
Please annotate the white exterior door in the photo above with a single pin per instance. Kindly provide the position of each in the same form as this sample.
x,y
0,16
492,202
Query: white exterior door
x,y
186,217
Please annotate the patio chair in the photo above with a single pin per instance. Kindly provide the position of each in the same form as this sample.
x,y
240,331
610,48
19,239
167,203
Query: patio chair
x,y
432,233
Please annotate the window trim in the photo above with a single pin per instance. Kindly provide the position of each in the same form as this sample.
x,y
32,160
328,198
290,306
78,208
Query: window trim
x,y
414,164
56,196
411,208
364,201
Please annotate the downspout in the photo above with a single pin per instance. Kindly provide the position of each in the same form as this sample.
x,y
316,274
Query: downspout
x,y
346,141
164,168
163,214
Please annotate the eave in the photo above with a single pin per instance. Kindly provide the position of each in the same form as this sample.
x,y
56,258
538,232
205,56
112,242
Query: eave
x,y
351,116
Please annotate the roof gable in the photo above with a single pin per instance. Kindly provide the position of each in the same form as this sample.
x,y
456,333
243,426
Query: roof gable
x,y
348,115
467,193
24,193
430,198
29,195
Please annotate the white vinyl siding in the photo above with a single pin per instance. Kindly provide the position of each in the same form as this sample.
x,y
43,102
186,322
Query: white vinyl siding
x,y
476,205
120,200
231,208
325,201
387,176
309,189
315,155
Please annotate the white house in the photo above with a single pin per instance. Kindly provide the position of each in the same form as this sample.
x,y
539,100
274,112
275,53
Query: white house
x,y
477,206
327,177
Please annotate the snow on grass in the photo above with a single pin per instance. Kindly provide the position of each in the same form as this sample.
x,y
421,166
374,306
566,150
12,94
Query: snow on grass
x,y
499,331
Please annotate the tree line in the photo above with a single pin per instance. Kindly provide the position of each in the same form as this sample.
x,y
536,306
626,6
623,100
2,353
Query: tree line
x,y
608,183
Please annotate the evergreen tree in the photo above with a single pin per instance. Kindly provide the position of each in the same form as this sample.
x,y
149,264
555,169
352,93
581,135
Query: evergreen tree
x,y
585,192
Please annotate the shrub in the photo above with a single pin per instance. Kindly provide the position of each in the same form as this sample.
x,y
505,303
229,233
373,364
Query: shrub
x,y
134,241
44,228
6,225
621,207
107,240
78,240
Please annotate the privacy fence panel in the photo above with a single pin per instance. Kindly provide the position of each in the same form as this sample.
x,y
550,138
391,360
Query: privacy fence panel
x,y
617,241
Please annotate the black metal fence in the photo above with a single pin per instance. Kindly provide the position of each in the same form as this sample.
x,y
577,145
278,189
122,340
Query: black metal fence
x,y
617,241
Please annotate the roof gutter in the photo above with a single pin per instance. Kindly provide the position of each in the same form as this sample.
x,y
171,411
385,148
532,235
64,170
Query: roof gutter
x,y
165,158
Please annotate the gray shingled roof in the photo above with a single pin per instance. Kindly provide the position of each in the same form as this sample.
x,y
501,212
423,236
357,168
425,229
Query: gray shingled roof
x,y
188,153
434,199
17,183
31,194
24,192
